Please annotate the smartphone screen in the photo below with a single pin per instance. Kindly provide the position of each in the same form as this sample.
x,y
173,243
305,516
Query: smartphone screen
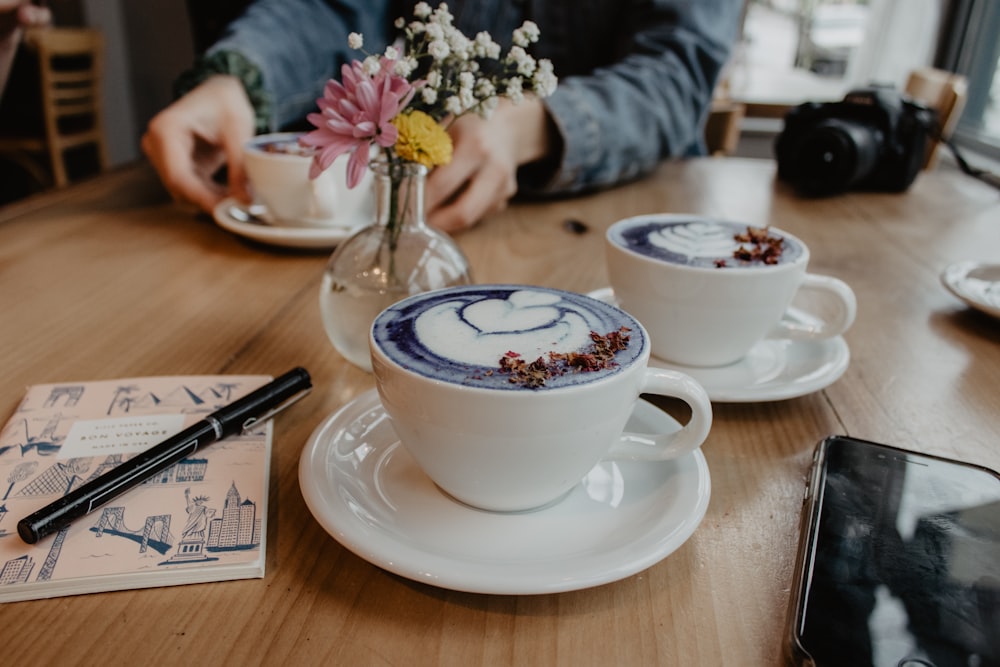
x,y
899,561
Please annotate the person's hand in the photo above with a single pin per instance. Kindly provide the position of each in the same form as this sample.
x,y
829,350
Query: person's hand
x,y
192,138
15,15
482,175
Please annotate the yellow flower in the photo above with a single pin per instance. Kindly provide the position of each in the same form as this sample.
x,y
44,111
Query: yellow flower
x,y
422,139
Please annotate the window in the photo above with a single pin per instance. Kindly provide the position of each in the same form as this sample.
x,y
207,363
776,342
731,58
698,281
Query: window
x,y
794,51
970,47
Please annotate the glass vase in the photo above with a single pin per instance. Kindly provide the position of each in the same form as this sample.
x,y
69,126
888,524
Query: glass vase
x,y
394,257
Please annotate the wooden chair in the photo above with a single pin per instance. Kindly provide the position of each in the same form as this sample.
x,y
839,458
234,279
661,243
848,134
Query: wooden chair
x,y
70,67
942,91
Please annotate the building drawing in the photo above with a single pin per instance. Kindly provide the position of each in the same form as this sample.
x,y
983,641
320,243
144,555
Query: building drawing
x,y
184,471
70,395
239,527
17,570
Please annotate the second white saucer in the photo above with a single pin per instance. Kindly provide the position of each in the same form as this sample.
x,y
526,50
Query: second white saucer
x,y
253,224
365,489
773,370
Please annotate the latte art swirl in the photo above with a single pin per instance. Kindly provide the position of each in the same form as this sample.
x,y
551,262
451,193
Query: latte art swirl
x,y
694,241
460,334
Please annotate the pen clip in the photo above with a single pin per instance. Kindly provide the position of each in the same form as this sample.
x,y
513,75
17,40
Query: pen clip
x,y
253,421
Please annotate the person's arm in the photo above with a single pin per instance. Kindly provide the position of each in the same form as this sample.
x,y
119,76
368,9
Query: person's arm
x,y
297,45
618,122
267,70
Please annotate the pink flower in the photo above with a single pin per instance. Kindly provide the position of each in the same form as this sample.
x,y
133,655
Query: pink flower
x,y
353,115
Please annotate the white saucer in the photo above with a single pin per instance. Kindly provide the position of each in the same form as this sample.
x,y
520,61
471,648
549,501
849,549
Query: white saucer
x,y
253,224
773,370
366,491
975,283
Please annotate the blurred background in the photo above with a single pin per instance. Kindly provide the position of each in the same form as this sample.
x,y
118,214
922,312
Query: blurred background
x,y
790,51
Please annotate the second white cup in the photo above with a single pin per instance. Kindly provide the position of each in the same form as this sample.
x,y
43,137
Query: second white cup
x,y
278,171
707,291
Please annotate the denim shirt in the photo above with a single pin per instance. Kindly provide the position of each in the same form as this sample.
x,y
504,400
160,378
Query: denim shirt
x,y
635,76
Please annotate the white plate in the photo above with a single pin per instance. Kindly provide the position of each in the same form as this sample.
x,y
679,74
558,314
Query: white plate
x,y
975,283
366,491
773,370
233,216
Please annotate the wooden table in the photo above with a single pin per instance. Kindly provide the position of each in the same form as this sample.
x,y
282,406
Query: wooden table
x,y
108,279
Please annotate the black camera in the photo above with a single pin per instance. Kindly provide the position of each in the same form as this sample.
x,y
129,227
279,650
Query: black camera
x,y
875,139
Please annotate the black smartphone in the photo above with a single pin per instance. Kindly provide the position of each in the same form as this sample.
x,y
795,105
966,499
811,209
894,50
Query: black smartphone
x,y
898,562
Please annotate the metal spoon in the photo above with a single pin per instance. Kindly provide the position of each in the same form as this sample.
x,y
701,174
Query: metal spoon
x,y
250,216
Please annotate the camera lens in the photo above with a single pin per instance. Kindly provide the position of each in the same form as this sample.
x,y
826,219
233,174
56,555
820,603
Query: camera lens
x,y
834,155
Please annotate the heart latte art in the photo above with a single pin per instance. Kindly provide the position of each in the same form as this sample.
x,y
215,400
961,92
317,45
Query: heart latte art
x,y
459,335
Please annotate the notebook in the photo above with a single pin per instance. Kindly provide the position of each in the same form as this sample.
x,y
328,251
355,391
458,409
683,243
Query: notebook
x,y
202,519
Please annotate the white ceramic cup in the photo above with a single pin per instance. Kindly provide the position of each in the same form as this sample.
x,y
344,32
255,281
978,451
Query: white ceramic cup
x,y
499,445
678,275
278,171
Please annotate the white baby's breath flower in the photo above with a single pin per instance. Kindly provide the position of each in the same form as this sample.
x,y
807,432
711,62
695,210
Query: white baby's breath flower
x,y
422,10
371,65
438,49
453,105
467,98
429,95
515,89
417,27
544,81
433,78
434,31
485,47
399,23
529,30
466,80
392,53
441,15
485,89
403,67
355,40
525,63
460,44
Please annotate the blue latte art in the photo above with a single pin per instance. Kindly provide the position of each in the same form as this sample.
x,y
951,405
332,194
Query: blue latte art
x,y
693,241
460,334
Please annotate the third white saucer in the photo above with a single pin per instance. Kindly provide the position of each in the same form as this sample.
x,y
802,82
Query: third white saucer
x,y
773,370
975,283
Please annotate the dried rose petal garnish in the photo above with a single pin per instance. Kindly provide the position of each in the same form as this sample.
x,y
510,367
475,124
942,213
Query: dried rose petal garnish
x,y
600,355
757,245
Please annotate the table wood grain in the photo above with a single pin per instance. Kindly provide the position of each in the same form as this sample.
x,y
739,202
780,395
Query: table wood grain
x,y
109,279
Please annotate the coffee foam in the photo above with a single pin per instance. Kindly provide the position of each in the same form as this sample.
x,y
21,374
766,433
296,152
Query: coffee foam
x,y
693,242
459,335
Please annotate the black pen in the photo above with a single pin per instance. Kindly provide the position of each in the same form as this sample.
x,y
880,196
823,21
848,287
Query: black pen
x,y
240,415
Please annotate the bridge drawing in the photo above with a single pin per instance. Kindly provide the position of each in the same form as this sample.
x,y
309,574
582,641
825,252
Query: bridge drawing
x,y
155,533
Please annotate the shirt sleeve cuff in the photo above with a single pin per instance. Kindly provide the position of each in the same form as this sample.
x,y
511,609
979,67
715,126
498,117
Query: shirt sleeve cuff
x,y
234,64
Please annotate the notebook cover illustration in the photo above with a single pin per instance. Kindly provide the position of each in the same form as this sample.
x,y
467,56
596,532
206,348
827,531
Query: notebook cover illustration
x,y
202,519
